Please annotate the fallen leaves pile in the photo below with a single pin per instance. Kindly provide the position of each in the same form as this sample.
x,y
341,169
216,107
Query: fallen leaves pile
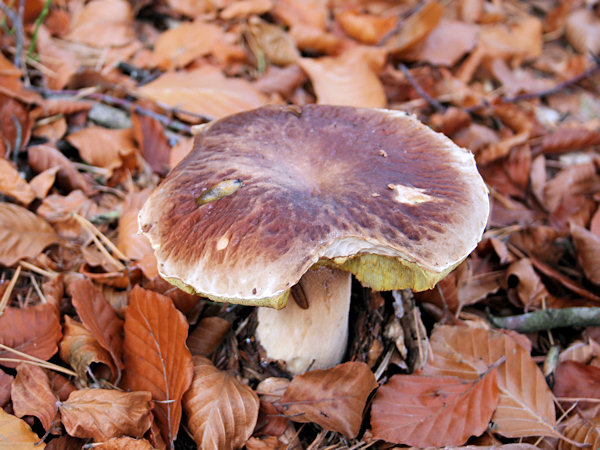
x,y
97,100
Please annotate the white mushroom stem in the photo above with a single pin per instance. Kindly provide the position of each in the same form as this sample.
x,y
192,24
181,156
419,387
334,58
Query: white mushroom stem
x,y
316,337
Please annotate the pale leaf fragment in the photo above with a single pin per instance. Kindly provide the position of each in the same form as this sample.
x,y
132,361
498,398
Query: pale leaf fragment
x,y
103,23
17,434
221,411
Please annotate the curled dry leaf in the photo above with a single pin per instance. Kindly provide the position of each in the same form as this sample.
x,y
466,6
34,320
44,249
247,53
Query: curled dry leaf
x,y
334,398
34,330
529,286
433,411
588,252
366,28
150,137
43,157
22,234
583,352
61,385
350,79
272,42
569,182
102,414
103,23
525,406
5,385
102,147
416,28
204,91
80,349
32,395
99,318
156,358
207,335
221,411
13,185
124,443
582,30
17,434
569,138
583,430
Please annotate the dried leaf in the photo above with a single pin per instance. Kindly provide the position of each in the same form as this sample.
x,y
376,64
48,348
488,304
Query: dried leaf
x,y
22,234
33,396
221,411
416,28
309,12
204,91
43,157
207,335
43,182
271,42
61,385
576,380
58,57
569,138
17,434
570,182
150,136
34,330
433,411
366,28
156,358
102,147
583,352
588,252
245,8
525,407
583,430
334,398
102,414
13,185
350,79
124,443
180,151
529,286
80,349
103,23
99,318
522,40
582,30
5,385
133,245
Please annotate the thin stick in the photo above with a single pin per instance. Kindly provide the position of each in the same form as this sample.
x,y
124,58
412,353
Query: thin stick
x,y
9,289
37,289
46,273
428,98
95,231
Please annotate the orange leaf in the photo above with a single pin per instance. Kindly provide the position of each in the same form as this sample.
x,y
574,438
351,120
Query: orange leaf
x,y
103,23
366,28
98,317
102,147
22,234
585,431
334,398
102,414
133,245
17,434
149,134
416,28
576,380
207,335
180,151
582,30
221,411
43,181
5,385
588,252
13,185
34,330
156,358
80,349
123,443
433,411
350,79
525,407
204,91
33,396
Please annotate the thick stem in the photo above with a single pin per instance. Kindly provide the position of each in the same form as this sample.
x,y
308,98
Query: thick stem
x,y
312,338
548,319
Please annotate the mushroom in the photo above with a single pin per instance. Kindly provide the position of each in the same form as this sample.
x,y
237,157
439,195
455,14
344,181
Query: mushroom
x,y
285,196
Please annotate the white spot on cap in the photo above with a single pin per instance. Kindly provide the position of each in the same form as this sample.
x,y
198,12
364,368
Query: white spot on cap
x,y
222,243
410,195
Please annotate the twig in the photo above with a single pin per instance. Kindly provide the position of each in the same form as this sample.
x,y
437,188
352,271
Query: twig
x,y
19,35
548,319
47,273
36,361
428,98
9,289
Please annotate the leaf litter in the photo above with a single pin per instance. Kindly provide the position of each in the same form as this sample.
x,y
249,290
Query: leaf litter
x,y
100,109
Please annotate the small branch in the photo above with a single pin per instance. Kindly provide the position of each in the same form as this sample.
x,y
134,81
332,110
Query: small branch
x,y
548,319
11,285
19,35
428,98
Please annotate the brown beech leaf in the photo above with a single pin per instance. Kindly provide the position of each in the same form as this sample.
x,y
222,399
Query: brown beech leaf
x,y
43,157
61,385
22,234
102,147
583,352
33,396
149,134
204,91
571,181
349,79
366,28
17,434
207,335
569,138
529,286
334,398
103,23
34,330
525,406
102,414
124,443
156,357
582,30
576,380
221,411
13,185
5,385
99,318
416,28
433,411
583,430
588,252
43,181
180,151
133,245
80,349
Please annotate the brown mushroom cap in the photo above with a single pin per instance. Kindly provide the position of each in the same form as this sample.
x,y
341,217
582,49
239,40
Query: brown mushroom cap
x,y
267,193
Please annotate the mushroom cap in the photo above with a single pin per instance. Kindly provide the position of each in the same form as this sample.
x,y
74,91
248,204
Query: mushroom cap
x,y
265,194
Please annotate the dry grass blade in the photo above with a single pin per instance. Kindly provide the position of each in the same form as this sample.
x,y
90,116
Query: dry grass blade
x,y
28,359
156,358
221,411
17,434
9,289
33,396
97,236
